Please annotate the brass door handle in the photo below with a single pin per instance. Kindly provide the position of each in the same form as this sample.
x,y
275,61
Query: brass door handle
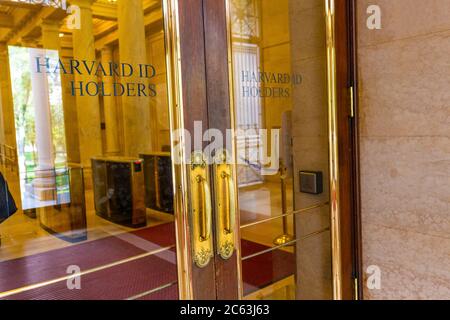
x,y
200,211
230,201
225,205
205,214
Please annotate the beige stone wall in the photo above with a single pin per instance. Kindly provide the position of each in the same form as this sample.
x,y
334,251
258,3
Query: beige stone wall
x,y
275,55
156,55
404,73
155,50
292,40
310,144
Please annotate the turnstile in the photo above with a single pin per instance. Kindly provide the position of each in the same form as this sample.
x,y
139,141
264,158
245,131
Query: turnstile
x,y
158,181
65,217
119,192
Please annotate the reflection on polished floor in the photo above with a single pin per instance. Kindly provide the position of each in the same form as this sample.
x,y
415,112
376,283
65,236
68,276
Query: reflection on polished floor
x,y
258,203
261,202
117,262
23,236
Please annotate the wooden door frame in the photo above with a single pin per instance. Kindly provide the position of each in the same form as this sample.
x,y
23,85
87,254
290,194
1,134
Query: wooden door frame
x,y
355,143
196,38
185,60
200,58
347,114
219,99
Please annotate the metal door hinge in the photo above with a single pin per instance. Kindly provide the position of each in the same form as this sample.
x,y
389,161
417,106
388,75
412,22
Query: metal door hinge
x,y
352,101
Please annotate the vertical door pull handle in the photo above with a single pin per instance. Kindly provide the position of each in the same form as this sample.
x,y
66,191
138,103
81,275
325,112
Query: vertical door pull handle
x,y
200,211
225,205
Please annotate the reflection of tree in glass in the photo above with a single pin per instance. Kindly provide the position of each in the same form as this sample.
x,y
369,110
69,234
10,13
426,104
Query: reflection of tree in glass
x,y
24,115
57,113
24,111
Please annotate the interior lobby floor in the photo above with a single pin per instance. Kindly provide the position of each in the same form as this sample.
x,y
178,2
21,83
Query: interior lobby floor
x,y
22,236
260,202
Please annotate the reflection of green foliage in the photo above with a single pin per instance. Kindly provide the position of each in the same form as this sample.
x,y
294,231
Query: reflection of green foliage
x,y
21,83
57,112
24,109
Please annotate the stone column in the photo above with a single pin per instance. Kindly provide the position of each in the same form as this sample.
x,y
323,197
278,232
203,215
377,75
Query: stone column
x,y
43,186
2,132
8,125
136,114
310,148
70,115
7,104
2,125
88,106
110,108
50,34
52,41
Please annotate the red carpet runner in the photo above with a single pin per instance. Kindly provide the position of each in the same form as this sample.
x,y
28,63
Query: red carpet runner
x,y
131,278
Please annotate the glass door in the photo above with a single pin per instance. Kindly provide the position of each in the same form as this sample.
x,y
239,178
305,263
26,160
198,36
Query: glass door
x,y
168,149
282,84
256,148
87,208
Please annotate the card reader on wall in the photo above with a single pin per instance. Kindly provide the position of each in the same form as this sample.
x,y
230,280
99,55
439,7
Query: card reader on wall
x,y
311,182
